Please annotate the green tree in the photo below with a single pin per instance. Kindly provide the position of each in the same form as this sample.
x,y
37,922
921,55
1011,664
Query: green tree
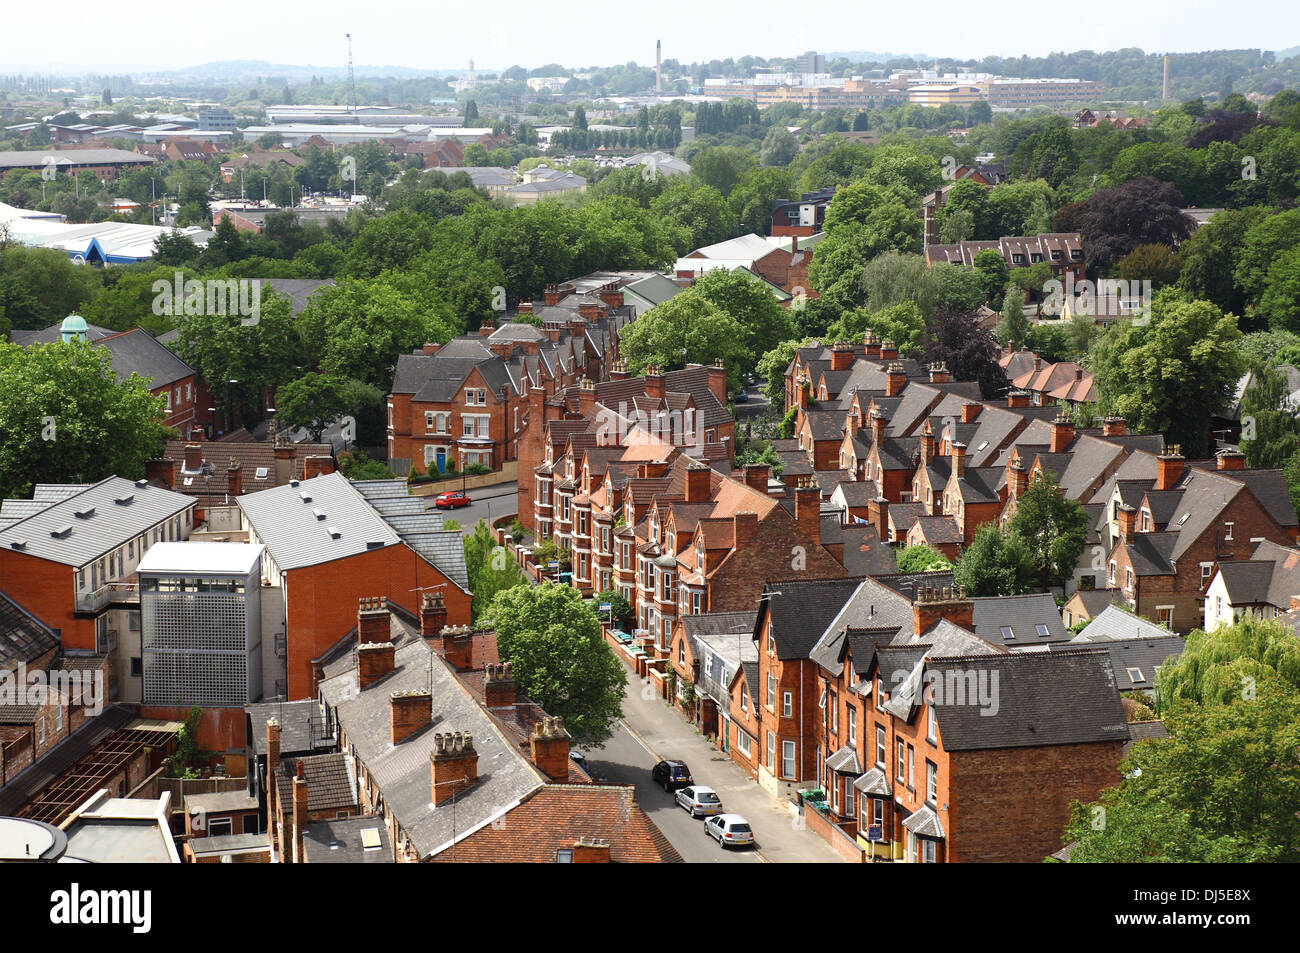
x,y
992,271
490,568
923,558
1230,664
41,286
1156,263
686,329
65,418
1280,300
358,328
1270,432
561,660
1170,375
751,302
1013,328
315,401
773,365
241,361
996,565
1054,529
1222,789
779,147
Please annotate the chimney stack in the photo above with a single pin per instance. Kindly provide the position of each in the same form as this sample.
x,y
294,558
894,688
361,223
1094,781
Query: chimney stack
x,y
808,511
618,371
408,712
757,476
888,350
284,457
895,379
525,307
958,458
927,446
373,621
197,434
594,851
457,645
1127,519
841,356
433,615
1231,460
1018,398
487,328
936,603
550,748
299,812
1017,479
744,526
878,424
970,411
1169,467
453,764
871,345
272,767
318,465
234,479
375,660
1114,427
498,685
654,383
697,483
718,381
193,458
878,516
1062,434
939,373
586,396
430,348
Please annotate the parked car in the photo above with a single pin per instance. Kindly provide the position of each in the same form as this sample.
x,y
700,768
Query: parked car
x,y
451,500
729,830
742,397
700,800
671,775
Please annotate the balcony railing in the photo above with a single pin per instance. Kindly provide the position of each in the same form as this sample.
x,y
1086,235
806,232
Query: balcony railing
x,y
115,593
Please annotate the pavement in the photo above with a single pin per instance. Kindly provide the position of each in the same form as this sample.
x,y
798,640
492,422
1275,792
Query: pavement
x,y
651,732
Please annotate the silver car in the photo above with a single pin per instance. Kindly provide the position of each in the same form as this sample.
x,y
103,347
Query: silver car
x,y
700,800
729,830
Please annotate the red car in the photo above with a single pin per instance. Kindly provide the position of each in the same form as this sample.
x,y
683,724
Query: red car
x,y
451,500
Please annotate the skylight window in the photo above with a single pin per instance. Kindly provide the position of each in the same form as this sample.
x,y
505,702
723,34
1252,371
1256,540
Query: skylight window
x,y
1008,632
1042,630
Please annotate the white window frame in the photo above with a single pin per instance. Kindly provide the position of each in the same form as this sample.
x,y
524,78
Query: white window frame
x,y
789,767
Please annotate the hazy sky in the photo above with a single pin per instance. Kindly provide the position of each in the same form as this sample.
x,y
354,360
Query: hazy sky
x,y
81,35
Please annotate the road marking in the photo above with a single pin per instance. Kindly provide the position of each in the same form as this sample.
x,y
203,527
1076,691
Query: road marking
x,y
641,741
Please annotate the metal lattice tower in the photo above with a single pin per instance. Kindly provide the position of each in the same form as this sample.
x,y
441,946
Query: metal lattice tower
x,y
352,80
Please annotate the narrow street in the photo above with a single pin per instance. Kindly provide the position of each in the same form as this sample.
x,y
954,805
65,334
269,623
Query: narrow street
x,y
649,732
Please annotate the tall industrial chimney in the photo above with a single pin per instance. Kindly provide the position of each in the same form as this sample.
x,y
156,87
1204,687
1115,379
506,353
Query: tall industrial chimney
x,y
659,76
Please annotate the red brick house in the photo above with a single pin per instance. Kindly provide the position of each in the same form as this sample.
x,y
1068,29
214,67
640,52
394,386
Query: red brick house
x,y
1173,531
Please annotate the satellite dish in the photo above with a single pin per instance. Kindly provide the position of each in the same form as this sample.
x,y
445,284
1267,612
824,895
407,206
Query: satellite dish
x,y
78,259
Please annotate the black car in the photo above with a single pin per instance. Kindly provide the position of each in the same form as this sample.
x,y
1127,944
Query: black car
x,y
671,775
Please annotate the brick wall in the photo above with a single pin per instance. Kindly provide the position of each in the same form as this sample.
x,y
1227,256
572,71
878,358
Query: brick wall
x,y
1012,805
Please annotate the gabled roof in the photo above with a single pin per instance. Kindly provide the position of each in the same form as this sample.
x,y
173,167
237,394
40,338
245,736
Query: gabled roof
x,y
113,511
556,816
1022,615
1042,698
23,637
401,772
802,612
298,523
